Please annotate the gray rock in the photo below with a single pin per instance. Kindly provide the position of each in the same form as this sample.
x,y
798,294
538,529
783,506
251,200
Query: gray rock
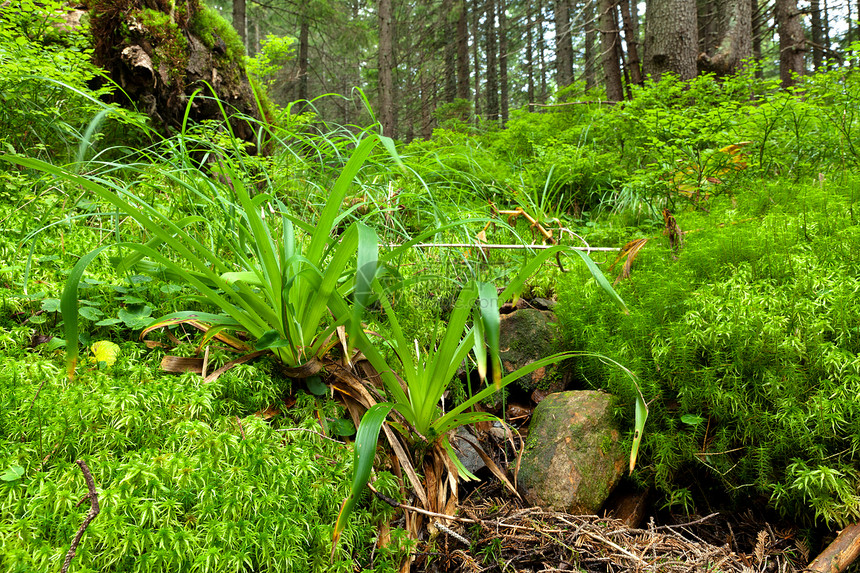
x,y
466,452
573,458
527,335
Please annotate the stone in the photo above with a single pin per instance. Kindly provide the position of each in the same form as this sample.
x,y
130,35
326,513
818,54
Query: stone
x,y
573,457
527,335
466,452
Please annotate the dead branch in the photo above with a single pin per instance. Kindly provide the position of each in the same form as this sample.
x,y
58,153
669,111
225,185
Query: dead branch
x,y
93,496
840,554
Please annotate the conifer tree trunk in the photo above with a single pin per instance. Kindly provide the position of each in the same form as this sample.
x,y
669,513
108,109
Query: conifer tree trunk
x,y
462,50
817,35
791,42
492,62
563,44
541,53
756,36
610,48
239,19
590,39
449,37
670,38
530,57
476,38
632,41
385,110
304,32
729,36
503,61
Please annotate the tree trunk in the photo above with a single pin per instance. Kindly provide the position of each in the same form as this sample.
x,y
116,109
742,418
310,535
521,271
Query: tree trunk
x,y
239,19
530,57
590,40
462,51
541,53
609,43
817,35
563,45
492,63
129,53
386,65
503,60
731,44
304,33
632,41
449,36
670,39
791,42
476,38
756,36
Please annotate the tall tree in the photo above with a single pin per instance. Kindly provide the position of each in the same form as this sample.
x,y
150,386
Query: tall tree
x,y
792,43
610,46
541,47
756,35
304,46
385,109
476,57
563,44
590,39
462,50
492,62
817,33
449,39
728,40
670,38
530,56
239,19
503,61
631,38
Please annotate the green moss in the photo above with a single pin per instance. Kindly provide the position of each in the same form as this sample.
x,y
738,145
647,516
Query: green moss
x,y
171,47
212,29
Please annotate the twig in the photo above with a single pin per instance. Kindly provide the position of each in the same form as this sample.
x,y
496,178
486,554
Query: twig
x,y
395,503
512,247
707,517
93,496
453,534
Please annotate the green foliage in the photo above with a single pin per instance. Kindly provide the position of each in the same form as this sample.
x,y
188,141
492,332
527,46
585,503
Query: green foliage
x,y
746,347
274,53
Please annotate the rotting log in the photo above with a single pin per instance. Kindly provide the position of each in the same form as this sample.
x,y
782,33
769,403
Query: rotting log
x,y
840,554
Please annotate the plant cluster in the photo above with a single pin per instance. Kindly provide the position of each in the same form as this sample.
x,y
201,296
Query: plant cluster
x,y
747,351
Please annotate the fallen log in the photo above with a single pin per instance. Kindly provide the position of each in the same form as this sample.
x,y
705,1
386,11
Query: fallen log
x,y
839,554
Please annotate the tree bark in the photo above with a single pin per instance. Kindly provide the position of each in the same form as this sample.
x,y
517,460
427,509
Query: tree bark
x,y
817,32
756,36
844,550
670,39
462,50
731,43
304,34
563,44
503,61
632,41
386,65
610,45
530,57
239,19
476,39
541,53
492,63
791,42
449,37
590,41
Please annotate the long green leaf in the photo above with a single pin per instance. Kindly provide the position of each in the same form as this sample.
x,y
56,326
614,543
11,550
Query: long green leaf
x,y
365,450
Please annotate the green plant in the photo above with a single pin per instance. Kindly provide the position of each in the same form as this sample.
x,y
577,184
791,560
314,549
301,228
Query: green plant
x,y
428,372
276,291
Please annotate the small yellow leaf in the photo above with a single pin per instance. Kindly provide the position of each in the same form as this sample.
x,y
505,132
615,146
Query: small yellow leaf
x,y
105,351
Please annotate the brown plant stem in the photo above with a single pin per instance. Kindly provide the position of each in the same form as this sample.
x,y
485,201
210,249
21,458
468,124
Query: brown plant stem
x,y
91,515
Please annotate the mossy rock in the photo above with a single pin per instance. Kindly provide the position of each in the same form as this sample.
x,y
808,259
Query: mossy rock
x,y
162,52
573,457
527,335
